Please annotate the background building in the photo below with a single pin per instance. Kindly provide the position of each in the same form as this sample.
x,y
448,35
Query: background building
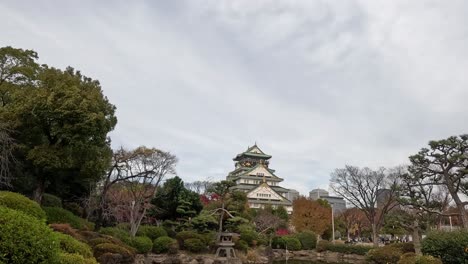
x,y
291,195
338,203
253,176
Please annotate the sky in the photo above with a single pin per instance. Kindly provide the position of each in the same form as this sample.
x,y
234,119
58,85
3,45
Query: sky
x,y
316,84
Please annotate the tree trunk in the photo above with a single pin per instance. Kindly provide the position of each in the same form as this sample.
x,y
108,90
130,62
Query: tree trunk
x,y
40,188
375,239
458,201
416,238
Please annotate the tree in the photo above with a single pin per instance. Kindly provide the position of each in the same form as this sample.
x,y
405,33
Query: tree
x,y
354,220
173,201
309,215
373,192
200,187
445,163
60,121
139,173
7,145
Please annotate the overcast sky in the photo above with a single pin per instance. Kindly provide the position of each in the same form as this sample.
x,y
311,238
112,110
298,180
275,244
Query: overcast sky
x,y
317,84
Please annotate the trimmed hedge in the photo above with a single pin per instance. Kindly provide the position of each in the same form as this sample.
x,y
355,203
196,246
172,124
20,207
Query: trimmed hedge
x,y
21,203
404,247
384,255
70,245
292,243
106,248
57,215
152,232
412,258
450,247
277,243
343,248
96,241
194,245
121,234
308,239
70,258
163,244
25,239
142,244
51,200
184,235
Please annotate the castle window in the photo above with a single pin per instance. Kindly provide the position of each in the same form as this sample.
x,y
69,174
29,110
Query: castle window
x,y
260,174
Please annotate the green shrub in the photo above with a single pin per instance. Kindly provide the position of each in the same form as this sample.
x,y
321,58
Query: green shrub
x,y
125,226
292,243
99,240
75,208
25,239
249,236
384,255
152,232
450,247
209,239
241,245
70,245
163,244
343,248
105,248
308,239
194,245
408,258
403,247
56,215
21,203
412,258
277,243
428,260
73,258
51,200
184,235
123,235
142,244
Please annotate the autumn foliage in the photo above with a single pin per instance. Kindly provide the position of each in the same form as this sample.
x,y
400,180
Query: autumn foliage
x,y
309,215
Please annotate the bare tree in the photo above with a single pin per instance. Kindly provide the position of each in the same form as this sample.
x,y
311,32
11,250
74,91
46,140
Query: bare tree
x,y
138,172
200,187
372,191
7,146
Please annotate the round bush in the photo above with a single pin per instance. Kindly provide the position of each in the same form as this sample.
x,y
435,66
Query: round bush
x,y
292,243
21,203
70,245
184,235
25,239
51,200
450,247
70,258
308,239
126,254
96,241
56,215
152,232
249,236
277,243
194,245
142,244
163,244
75,208
123,235
408,258
242,245
384,255
403,247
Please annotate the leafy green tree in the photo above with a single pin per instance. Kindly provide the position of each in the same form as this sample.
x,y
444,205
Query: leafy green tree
x,y
173,201
444,163
60,121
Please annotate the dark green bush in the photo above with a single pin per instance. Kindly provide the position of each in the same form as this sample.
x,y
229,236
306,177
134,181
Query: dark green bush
x,y
142,244
127,255
403,247
25,239
75,208
194,245
241,245
163,244
384,255
56,215
308,239
343,248
292,243
277,243
70,245
99,240
51,200
249,236
184,235
21,203
152,232
450,247
209,239
123,235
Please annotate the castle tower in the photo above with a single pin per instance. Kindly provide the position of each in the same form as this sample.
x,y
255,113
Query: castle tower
x,y
253,176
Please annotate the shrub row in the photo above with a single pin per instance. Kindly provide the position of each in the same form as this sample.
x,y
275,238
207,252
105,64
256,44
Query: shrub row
x,y
450,247
343,248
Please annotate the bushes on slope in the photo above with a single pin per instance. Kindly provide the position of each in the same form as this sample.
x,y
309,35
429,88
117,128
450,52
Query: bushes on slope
x,y
21,203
